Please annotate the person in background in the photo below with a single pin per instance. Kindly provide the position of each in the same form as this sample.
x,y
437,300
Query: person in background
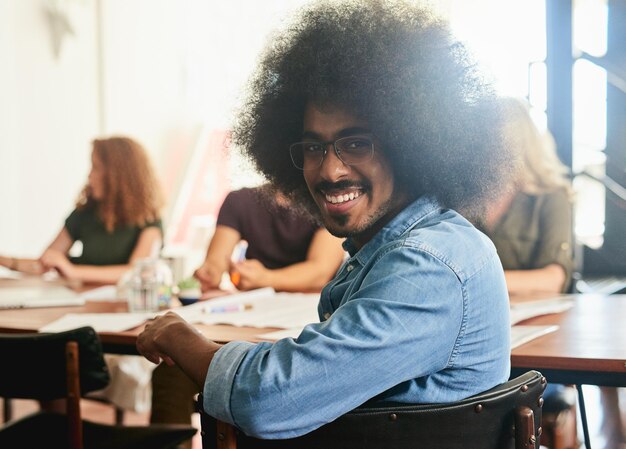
x,y
117,218
287,250
531,223
372,116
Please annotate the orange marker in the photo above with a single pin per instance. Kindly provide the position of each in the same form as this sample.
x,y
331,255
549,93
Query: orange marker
x,y
239,255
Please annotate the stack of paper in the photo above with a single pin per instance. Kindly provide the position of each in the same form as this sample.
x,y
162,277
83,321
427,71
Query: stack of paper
x,y
524,334
521,311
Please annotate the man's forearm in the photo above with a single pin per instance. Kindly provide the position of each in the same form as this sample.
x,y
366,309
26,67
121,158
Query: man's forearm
x,y
191,351
304,276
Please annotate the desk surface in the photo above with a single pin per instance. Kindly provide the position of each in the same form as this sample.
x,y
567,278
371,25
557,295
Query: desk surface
x,y
31,320
589,346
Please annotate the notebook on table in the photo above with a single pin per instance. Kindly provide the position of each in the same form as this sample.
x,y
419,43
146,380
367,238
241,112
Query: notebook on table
x,y
33,297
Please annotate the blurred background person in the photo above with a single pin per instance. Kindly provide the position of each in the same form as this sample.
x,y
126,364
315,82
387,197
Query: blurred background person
x,y
531,224
286,249
116,218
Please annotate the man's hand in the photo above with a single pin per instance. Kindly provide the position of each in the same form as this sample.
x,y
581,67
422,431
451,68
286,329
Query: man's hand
x,y
153,341
176,342
250,274
209,276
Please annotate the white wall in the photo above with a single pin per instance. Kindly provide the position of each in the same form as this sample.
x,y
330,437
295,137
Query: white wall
x,y
160,71
48,116
156,70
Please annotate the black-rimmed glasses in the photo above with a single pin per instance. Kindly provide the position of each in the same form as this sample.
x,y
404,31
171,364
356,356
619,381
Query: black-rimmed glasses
x,y
351,150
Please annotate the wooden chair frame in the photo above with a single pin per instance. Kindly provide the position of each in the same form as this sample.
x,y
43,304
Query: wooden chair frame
x,y
68,365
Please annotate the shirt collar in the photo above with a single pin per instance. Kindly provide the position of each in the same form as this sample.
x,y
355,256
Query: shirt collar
x,y
398,225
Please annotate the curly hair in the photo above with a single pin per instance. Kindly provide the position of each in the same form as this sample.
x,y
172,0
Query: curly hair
x,y
540,170
133,195
396,65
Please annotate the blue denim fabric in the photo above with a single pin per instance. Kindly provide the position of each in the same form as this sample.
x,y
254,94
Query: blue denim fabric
x,y
420,314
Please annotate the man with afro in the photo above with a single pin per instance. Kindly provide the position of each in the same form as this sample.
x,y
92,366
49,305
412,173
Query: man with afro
x,y
372,117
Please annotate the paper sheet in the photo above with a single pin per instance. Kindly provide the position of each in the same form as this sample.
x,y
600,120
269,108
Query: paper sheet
x,y
101,322
521,311
269,309
523,334
5,273
283,333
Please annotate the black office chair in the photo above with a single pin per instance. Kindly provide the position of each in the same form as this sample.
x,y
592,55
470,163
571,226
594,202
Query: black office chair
x,y
505,417
67,365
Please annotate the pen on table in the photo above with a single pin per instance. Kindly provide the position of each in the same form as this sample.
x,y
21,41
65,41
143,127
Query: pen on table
x,y
228,308
239,255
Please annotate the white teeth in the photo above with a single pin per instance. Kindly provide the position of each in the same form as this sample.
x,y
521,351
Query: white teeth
x,y
335,199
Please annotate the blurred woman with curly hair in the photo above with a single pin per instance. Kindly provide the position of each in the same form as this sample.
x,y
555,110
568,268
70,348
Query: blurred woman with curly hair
x,y
116,218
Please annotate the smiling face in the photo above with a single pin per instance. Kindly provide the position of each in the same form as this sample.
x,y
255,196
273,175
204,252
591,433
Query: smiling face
x,y
354,201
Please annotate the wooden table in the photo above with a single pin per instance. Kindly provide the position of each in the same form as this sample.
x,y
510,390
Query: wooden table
x,y
588,348
31,320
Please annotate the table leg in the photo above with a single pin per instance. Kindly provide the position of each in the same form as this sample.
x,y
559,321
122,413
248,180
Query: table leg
x,y
583,415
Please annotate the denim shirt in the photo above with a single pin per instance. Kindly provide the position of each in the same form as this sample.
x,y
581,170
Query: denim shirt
x,y
419,314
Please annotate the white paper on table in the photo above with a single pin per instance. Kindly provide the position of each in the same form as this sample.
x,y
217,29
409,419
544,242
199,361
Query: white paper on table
x,y
269,309
294,332
5,273
193,312
101,322
523,334
104,293
521,311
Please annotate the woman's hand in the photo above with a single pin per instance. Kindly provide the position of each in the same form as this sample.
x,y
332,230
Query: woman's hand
x,y
55,259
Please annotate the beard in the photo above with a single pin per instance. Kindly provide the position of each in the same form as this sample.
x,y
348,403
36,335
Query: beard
x,y
366,227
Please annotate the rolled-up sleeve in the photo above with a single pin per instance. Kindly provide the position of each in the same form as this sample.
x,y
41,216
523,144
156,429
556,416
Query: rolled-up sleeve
x,y
220,378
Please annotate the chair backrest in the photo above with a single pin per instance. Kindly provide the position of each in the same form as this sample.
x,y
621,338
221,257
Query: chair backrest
x,y
52,366
68,364
35,366
507,416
